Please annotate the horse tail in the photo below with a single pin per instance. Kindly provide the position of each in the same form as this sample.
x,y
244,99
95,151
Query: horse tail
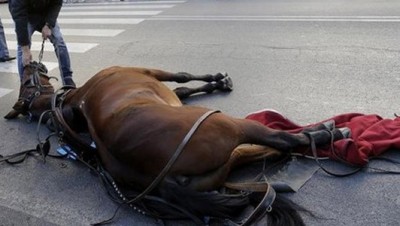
x,y
285,213
230,207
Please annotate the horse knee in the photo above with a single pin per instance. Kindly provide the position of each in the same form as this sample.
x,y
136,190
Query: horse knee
x,y
183,77
182,92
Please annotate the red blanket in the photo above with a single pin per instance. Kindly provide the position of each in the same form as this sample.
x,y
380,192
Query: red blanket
x,y
371,135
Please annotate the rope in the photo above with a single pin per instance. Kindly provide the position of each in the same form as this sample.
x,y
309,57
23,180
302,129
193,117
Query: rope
x,y
41,52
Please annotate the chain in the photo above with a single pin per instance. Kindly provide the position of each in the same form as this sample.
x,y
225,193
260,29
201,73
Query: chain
x,y
41,52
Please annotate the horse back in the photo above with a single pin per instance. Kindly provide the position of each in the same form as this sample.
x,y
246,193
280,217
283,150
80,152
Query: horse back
x,y
118,86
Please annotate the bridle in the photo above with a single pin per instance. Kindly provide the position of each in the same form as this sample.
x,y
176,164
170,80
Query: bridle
x,y
34,82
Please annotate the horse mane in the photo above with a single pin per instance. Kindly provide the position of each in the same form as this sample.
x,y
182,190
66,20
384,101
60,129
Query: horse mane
x,y
222,206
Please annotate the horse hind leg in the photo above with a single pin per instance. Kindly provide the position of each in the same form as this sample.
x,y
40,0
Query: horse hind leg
x,y
243,154
255,133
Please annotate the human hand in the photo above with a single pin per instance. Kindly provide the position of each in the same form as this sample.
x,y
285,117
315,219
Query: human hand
x,y
46,32
26,55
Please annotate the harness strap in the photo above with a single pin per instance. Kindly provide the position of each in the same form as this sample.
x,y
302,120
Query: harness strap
x,y
64,130
248,186
9,158
263,207
314,152
107,179
174,157
265,204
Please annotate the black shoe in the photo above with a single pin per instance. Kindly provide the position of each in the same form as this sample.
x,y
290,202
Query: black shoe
x,y
5,59
68,82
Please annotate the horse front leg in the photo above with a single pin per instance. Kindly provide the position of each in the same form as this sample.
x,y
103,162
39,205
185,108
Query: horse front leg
x,y
218,81
224,85
181,77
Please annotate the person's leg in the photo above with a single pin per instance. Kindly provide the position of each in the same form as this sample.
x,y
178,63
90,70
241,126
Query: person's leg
x,y
62,55
4,54
31,30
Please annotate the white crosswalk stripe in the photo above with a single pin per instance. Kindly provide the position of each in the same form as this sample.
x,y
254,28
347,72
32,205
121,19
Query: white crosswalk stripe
x,y
11,66
116,7
72,47
114,20
79,32
4,91
110,13
101,21
86,16
128,3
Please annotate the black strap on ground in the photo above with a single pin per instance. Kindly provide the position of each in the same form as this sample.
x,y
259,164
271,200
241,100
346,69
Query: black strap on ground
x,y
336,174
355,168
17,157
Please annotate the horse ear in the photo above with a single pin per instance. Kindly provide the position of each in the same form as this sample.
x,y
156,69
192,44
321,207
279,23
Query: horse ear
x,y
17,109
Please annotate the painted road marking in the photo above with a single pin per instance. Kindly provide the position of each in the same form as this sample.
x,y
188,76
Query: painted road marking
x,y
11,66
4,91
79,32
73,47
125,3
91,21
280,18
390,19
101,21
110,13
113,7
108,7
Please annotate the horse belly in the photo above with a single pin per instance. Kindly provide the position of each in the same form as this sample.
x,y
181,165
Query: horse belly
x,y
146,138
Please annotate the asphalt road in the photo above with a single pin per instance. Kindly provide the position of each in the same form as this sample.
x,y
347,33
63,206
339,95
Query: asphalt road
x,y
309,60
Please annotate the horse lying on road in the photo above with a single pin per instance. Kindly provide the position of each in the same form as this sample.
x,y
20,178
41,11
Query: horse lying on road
x,y
149,142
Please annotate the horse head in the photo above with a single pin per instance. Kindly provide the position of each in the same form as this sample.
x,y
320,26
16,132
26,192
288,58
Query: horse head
x,y
35,92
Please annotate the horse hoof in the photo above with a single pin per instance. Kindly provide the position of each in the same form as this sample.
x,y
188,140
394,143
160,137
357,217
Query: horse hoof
x,y
329,125
346,132
225,84
220,75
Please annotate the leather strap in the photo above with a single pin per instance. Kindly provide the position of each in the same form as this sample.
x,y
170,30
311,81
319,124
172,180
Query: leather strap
x,y
314,152
174,157
64,130
263,207
265,204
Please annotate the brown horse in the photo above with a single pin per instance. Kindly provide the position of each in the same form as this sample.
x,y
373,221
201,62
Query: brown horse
x,y
148,141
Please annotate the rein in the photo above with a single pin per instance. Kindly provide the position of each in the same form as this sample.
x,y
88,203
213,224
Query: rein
x,y
313,148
